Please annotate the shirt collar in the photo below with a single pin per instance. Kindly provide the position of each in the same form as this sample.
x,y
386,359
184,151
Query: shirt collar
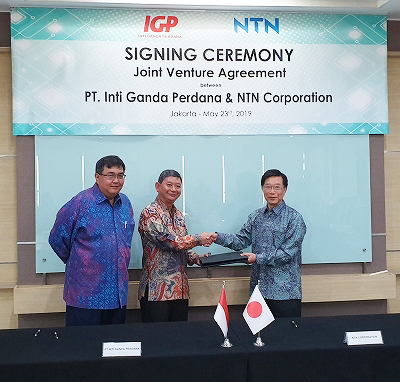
x,y
164,206
278,209
100,197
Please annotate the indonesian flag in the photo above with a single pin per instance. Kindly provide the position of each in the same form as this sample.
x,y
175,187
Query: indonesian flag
x,y
257,314
221,315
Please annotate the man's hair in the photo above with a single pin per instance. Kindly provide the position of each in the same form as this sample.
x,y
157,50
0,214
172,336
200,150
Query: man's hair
x,y
167,173
274,172
109,161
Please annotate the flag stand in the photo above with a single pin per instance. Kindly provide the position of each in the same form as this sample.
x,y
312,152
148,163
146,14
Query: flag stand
x,y
258,342
226,343
221,316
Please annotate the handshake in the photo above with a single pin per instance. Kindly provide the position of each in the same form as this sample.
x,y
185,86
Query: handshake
x,y
207,238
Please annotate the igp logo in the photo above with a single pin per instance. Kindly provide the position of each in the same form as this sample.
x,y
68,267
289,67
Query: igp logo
x,y
156,24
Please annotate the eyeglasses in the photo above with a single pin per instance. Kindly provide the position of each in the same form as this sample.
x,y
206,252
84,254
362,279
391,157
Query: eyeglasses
x,y
112,176
268,187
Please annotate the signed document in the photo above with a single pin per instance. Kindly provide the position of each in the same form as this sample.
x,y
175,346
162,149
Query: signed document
x,y
222,259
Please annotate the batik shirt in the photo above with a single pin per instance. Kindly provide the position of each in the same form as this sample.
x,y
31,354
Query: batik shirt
x,y
93,238
276,238
165,253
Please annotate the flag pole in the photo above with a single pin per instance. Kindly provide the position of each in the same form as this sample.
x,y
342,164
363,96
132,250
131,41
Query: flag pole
x,y
257,314
226,343
258,342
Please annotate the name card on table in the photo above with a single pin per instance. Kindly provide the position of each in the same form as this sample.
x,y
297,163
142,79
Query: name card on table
x,y
371,337
122,349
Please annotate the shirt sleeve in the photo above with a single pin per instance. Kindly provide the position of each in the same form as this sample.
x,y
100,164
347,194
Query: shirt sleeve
x,y
60,238
153,228
129,223
237,241
289,245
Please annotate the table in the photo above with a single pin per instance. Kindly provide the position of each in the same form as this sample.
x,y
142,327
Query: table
x,y
191,352
315,351
178,351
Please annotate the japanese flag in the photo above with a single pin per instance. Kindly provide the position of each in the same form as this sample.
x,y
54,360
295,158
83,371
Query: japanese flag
x,y
257,314
221,315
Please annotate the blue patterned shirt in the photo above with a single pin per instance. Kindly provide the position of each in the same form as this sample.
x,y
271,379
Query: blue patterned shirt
x,y
276,238
93,238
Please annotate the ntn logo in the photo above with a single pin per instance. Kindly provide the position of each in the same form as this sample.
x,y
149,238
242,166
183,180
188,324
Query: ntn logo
x,y
256,21
156,24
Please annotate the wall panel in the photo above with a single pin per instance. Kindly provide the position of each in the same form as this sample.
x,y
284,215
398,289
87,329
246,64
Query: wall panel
x,y
206,292
8,201
8,320
392,178
8,188
8,275
392,140
8,209
392,175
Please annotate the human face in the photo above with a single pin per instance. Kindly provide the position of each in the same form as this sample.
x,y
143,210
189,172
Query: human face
x,y
110,187
273,191
169,190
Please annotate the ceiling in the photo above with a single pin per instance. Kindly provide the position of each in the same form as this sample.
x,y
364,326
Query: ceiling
x,y
391,8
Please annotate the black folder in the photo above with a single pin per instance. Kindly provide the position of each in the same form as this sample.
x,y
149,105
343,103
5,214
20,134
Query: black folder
x,y
222,259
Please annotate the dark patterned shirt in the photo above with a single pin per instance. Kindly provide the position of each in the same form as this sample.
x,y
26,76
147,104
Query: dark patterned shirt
x,y
93,238
276,238
166,253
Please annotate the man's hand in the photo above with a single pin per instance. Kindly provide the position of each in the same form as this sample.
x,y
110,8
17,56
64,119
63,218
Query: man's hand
x,y
196,258
251,257
208,238
213,236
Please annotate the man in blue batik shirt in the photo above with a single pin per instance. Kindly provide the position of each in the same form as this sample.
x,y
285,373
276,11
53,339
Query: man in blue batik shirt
x,y
276,234
92,235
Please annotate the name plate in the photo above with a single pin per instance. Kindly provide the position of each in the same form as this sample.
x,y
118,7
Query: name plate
x,y
122,349
372,337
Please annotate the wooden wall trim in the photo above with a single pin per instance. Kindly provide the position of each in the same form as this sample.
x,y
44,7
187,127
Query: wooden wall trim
x,y
8,320
206,292
393,262
329,288
8,275
7,285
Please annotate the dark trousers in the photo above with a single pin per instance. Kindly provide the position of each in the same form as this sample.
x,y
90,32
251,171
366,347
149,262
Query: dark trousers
x,y
81,316
284,308
163,311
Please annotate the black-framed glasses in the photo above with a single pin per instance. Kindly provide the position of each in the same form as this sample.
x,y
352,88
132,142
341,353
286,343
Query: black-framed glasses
x,y
112,176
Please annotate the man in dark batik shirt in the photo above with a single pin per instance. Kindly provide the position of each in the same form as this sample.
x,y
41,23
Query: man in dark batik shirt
x,y
276,234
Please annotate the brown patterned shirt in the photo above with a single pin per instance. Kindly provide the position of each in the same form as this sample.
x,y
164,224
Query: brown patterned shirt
x,y
166,252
